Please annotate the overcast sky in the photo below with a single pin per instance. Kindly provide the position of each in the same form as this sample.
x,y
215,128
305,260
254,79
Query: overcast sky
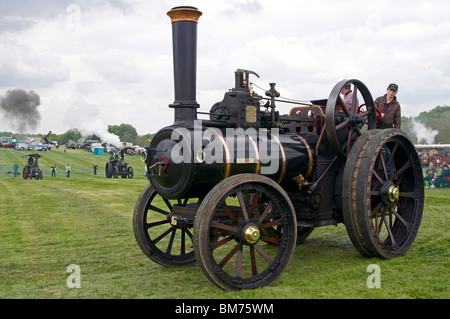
x,y
95,63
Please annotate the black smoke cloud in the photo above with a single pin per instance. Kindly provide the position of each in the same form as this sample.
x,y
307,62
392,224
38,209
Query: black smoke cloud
x,y
20,109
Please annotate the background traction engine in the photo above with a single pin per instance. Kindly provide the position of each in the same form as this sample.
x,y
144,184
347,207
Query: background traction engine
x,y
117,166
31,169
236,192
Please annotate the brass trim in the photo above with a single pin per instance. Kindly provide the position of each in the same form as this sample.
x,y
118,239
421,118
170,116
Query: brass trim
x,y
251,235
283,159
250,114
184,14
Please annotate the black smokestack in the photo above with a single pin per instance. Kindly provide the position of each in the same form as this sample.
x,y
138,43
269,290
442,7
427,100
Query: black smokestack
x,y
184,36
20,109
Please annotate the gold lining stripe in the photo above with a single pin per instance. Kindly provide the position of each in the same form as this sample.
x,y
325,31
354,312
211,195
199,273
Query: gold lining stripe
x,y
310,156
227,170
257,158
283,159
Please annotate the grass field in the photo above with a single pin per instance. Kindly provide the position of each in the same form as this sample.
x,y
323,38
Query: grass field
x,y
47,225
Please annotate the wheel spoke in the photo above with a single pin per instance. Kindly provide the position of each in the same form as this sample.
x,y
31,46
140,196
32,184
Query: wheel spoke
x,y
382,163
389,230
254,204
376,209
343,107
264,214
400,218
343,125
164,234
375,193
364,114
393,154
354,98
407,194
271,240
229,212
232,252
379,223
169,205
221,242
183,241
242,203
377,176
153,224
172,237
158,210
401,170
349,140
239,263
273,223
263,254
224,226
253,261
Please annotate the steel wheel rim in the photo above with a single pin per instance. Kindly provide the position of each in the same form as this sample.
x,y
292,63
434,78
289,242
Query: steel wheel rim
x,y
395,197
233,262
164,243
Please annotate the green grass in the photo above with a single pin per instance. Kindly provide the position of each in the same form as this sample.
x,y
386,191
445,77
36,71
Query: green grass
x,y
46,225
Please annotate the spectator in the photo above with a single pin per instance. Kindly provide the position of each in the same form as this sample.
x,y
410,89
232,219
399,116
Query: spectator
x,y
440,180
68,170
430,175
390,109
16,168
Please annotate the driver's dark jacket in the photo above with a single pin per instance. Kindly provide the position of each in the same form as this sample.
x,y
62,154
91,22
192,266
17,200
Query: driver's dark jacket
x,y
393,116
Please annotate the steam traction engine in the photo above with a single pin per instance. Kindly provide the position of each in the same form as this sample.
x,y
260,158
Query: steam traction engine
x,y
238,191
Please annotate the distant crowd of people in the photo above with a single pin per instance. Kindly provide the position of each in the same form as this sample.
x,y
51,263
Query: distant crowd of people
x,y
434,180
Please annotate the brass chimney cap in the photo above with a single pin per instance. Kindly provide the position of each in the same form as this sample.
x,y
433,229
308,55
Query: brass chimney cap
x,y
184,14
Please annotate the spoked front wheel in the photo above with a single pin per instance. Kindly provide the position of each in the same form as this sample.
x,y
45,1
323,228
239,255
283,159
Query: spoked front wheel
x,y
232,241
166,244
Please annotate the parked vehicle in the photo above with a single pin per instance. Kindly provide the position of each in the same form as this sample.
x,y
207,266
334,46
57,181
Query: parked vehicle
x,y
6,142
21,146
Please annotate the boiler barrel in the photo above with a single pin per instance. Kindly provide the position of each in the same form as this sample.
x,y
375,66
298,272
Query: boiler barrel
x,y
191,161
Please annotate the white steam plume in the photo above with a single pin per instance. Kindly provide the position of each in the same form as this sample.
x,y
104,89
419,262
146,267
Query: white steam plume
x,y
424,134
99,128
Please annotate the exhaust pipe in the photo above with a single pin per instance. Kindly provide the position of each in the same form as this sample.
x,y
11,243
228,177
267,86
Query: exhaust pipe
x,y
184,36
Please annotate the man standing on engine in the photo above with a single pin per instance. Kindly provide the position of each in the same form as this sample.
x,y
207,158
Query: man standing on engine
x,y
347,92
390,109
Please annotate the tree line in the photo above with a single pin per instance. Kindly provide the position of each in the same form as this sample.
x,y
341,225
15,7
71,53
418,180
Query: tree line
x,y
125,132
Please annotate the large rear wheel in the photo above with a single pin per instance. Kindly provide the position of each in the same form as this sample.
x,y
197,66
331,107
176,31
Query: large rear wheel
x,y
383,194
